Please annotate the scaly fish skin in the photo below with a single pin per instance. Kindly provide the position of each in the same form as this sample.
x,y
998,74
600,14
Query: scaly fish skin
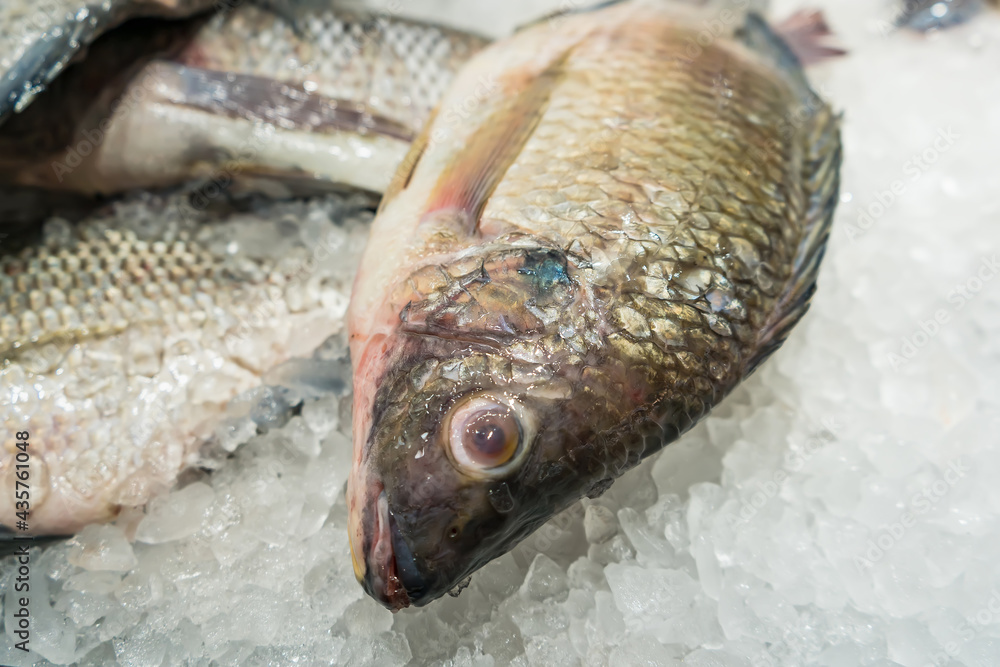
x,y
571,277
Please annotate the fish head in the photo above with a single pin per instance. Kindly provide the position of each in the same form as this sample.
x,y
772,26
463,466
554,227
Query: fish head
x,y
468,421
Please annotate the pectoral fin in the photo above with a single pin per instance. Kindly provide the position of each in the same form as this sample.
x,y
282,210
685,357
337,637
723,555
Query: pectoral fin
x,y
469,180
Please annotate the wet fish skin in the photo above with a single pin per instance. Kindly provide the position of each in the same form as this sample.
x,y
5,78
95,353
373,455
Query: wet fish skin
x,y
314,95
391,66
598,256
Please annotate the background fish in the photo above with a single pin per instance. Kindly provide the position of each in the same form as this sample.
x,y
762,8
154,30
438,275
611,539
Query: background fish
x,y
124,338
925,15
313,96
572,272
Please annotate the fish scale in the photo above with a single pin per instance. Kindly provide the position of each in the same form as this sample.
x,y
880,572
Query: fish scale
x,y
110,270
685,199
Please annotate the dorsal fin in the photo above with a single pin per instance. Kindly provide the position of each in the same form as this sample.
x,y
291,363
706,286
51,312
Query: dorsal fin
x,y
474,172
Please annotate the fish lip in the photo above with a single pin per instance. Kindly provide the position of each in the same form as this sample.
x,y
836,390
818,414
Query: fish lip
x,y
406,567
382,579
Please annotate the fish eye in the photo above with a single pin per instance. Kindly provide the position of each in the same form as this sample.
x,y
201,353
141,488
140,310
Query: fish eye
x,y
487,434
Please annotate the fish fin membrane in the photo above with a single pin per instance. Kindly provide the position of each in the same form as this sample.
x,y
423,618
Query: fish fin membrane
x,y
821,182
258,98
820,136
470,178
570,8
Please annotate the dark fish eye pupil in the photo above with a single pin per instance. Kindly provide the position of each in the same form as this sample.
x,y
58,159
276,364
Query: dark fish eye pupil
x,y
484,434
489,438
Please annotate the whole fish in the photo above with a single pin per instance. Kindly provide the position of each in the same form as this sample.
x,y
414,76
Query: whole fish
x,y
123,338
572,272
311,97
40,37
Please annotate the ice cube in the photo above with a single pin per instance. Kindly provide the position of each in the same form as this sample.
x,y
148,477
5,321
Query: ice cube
x,y
599,523
176,515
99,547
545,580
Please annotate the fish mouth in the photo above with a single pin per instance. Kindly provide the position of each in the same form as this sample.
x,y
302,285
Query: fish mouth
x,y
389,573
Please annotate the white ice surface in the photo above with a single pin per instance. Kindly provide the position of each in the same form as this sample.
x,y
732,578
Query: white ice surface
x,y
839,509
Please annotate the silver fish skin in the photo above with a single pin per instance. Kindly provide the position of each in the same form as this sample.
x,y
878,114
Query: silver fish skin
x,y
570,276
312,96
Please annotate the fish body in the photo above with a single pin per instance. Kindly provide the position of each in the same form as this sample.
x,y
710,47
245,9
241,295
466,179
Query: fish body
x,y
313,95
569,273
